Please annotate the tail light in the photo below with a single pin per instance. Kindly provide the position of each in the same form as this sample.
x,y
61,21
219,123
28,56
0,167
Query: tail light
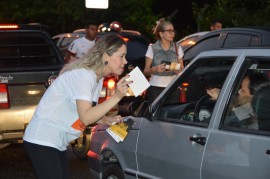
x,y
9,26
110,87
4,98
183,89
125,39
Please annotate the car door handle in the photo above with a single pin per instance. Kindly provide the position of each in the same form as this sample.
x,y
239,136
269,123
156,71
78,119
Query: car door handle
x,y
268,152
198,140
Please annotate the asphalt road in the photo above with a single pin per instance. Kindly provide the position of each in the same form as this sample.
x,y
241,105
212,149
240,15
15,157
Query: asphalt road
x,y
14,164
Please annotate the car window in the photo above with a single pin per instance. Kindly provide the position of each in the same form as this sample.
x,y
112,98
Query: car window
x,y
67,41
25,49
136,49
189,42
206,44
250,113
240,40
56,40
195,106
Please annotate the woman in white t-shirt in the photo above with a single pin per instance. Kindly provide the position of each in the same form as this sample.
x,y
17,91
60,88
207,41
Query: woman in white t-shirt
x,y
164,60
67,106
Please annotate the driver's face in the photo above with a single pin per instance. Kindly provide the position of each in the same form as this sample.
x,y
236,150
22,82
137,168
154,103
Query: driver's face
x,y
244,93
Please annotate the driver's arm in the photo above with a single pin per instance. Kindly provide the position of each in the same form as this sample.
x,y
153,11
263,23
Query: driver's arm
x,y
214,92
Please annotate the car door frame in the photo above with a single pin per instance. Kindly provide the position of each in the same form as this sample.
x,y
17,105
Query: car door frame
x,y
218,159
188,154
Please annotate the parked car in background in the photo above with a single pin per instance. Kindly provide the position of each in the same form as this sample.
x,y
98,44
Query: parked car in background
x,y
228,38
64,40
137,45
191,39
29,62
193,138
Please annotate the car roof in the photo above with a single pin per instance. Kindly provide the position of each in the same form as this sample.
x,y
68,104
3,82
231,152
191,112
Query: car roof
x,y
69,35
263,31
82,31
233,52
23,27
197,34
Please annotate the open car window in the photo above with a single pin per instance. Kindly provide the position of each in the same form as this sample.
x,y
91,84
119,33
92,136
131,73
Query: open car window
x,y
250,113
194,106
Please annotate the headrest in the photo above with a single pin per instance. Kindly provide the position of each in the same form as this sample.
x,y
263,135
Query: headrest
x,y
261,106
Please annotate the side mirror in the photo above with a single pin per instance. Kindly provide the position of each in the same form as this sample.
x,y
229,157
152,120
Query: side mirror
x,y
138,108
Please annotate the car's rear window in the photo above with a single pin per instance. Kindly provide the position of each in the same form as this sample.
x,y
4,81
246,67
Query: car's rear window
x,y
20,49
136,49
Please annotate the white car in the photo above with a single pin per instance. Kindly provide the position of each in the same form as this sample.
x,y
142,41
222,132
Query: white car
x,y
198,137
191,39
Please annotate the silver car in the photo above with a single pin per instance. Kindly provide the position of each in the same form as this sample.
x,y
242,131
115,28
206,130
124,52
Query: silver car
x,y
199,137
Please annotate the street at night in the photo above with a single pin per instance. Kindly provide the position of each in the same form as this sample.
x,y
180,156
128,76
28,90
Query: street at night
x,y
15,164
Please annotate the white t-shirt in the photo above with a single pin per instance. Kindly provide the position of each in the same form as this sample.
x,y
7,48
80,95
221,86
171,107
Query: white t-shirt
x,y
161,81
55,122
80,46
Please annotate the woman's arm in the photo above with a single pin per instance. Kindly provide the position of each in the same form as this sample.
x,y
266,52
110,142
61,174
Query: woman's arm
x,y
89,114
148,70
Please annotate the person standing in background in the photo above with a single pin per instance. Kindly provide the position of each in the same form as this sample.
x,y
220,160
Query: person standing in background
x,y
216,25
81,46
164,60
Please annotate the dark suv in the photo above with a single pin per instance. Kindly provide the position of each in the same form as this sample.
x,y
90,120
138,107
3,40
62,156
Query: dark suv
x,y
229,38
29,62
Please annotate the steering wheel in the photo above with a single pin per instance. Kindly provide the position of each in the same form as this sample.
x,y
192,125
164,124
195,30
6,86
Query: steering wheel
x,y
198,105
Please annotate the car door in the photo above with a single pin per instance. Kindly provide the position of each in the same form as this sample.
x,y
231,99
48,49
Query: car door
x,y
171,142
237,151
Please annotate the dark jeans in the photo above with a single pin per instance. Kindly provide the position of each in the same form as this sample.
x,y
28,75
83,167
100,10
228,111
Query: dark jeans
x,y
48,162
154,91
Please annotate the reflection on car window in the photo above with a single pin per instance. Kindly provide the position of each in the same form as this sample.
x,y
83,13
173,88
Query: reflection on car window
x,y
249,104
67,41
207,44
194,104
240,40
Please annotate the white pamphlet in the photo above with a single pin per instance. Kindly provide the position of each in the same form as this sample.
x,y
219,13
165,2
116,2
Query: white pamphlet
x,y
140,83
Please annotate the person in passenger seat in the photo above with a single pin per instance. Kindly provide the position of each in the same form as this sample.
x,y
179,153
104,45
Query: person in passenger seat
x,y
241,110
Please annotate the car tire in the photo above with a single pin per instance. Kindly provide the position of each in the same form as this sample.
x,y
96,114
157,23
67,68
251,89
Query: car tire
x,y
81,145
112,171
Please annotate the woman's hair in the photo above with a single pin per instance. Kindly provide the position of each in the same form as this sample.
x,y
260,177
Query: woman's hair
x,y
160,27
257,81
94,58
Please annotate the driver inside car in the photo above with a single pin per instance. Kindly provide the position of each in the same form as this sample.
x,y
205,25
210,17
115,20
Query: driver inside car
x,y
241,113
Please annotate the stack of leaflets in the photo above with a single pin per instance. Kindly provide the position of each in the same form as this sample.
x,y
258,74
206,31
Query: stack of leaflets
x,y
119,131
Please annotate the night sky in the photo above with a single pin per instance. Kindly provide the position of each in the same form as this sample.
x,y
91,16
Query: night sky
x,y
183,18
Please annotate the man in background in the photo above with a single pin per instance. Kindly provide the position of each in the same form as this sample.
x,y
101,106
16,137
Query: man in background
x,y
216,25
82,45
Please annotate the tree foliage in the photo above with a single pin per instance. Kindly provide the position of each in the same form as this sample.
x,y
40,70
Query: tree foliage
x,y
234,13
66,15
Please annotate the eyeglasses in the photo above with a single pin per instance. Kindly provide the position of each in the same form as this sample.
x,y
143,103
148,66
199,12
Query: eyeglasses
x,y
171,31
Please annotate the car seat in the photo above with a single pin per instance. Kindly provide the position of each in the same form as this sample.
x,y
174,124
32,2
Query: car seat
x,y
261,106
